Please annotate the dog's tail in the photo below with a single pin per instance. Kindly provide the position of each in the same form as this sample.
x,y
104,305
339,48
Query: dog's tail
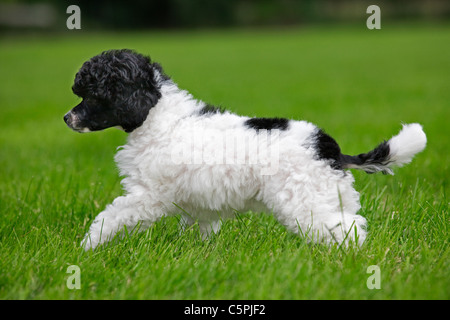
x,y
397,151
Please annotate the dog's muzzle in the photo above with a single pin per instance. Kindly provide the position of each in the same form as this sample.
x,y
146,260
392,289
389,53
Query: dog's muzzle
x,y
67,118
72,121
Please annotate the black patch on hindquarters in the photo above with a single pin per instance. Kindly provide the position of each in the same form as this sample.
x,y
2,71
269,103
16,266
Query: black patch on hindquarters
x,y
328,149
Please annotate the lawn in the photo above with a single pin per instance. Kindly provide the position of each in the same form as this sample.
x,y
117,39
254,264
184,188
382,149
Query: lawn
x,y
358,85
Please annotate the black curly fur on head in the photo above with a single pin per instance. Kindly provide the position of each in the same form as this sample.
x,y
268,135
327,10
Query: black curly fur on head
x,y
118,88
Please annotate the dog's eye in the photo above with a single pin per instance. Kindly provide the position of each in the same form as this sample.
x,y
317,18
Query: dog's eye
x,y
94,105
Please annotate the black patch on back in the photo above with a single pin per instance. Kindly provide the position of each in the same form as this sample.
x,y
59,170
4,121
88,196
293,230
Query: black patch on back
x,y
327,148
267,123
209,109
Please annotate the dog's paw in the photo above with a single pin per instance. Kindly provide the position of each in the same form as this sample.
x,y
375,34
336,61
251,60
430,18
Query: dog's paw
x,y
88,243
91,240
351,229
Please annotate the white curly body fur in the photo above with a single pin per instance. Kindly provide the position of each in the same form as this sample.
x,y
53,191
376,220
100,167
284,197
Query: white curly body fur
x,y
304,193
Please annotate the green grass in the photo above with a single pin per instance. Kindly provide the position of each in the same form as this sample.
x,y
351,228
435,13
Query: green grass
x,y
358,85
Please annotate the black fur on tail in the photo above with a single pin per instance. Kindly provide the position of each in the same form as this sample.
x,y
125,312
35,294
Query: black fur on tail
x,y
371,162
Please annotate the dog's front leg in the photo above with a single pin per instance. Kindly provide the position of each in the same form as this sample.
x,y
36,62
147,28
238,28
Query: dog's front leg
x,y
127,211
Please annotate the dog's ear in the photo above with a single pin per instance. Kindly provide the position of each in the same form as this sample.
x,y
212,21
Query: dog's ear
x,y
137,107
130,82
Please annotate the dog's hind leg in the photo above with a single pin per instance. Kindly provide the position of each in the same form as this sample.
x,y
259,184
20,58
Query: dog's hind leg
x,y
324,224
321,212
130,212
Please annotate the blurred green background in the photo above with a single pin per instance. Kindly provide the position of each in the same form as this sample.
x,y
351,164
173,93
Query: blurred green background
x,y
178,14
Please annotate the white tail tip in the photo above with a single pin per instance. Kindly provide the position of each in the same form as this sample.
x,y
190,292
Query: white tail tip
x,y
410,140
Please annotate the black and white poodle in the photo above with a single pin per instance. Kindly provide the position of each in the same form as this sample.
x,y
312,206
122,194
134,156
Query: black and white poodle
x,y
186,157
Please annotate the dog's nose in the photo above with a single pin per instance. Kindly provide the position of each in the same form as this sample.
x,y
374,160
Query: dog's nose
x,y
66,117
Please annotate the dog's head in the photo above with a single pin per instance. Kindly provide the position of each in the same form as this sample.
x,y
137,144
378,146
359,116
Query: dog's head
x,y
118,88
